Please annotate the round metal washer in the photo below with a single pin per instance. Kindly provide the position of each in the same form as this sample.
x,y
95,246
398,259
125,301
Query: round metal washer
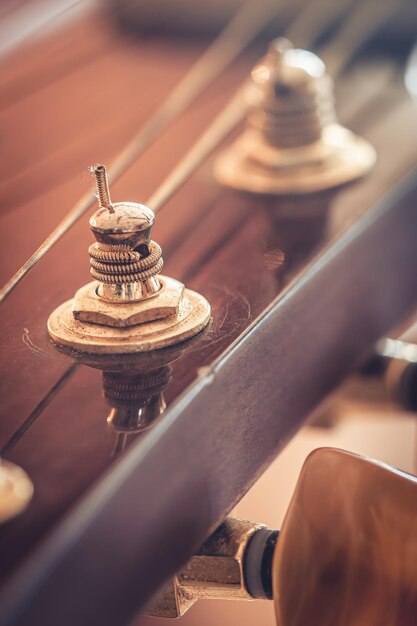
x,y
193,316
347,157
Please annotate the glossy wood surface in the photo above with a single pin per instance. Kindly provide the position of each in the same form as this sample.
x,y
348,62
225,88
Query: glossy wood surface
x,y
239,393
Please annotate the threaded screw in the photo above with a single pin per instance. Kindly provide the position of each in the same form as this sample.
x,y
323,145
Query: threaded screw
x,y
102,185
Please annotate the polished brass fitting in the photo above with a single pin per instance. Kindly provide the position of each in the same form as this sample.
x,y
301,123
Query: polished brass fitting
x,y
227,566
136,400
16,490
123,260
134,386
130,306
292,143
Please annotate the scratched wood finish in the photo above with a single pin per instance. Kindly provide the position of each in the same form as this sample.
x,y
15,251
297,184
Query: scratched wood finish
x,y
222,425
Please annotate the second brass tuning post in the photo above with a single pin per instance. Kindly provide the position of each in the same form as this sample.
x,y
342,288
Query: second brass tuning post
x,y
292,143
130,306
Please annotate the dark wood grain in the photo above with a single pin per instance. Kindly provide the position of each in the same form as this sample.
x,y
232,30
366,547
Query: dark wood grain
x,y
103,531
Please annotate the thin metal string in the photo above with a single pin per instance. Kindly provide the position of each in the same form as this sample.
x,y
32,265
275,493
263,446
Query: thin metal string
x,y
31,419
359,22
220,127
313,22
362,23
365,21
218,130
244,26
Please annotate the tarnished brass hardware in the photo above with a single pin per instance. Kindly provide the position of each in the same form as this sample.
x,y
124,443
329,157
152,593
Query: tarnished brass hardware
x,y
292,143
136,400
133,386
16,490
130,306
217,571
134,389
87,307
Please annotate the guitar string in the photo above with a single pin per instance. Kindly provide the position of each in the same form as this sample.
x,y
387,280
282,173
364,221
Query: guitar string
x,y
244,26
360,26
363,23
308,26
221,125
363,16
12,33
238,33
67,375
234,111
33,416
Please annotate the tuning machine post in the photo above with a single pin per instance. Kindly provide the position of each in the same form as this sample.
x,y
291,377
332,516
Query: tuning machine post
x,y
345,554
292,143
133,386
130,307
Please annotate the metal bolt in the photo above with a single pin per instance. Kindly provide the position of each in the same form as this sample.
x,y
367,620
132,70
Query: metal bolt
x,y
102,184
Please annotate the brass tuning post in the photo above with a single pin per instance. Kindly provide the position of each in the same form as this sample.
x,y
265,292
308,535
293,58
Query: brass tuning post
x,y
136,399
292,143
129,307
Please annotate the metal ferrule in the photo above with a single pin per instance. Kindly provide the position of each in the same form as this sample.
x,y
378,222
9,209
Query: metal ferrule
x,y
234,564
129,292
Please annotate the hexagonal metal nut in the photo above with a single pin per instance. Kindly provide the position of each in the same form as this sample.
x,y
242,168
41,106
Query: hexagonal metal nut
x,y
89,307
215,572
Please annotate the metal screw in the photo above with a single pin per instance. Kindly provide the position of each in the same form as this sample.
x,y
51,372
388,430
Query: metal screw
x,y
102,184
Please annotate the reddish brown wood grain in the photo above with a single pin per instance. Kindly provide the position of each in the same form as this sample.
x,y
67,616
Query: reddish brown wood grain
x,y
102,534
